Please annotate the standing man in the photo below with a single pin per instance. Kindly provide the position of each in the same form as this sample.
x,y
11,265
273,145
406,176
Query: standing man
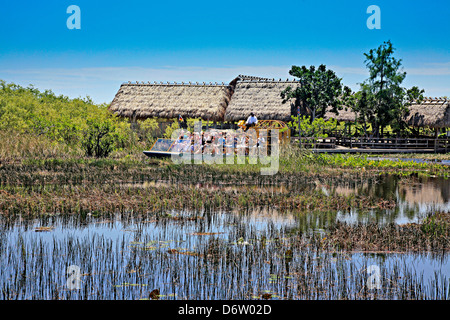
x,y
251,121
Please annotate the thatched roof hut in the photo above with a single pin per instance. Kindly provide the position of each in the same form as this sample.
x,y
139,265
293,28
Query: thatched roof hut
x,y
236,100
169,100
432,113
261,96
345,115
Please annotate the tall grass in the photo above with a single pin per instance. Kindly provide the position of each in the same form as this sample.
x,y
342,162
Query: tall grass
x,y
193,261
18,146
35,199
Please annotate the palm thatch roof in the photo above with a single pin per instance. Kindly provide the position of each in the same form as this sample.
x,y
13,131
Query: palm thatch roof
x,y
432,113
169,100
243,95
261,96
345,115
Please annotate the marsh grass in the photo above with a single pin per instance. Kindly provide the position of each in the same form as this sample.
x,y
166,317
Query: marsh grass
x,y
44,199
295,164
15,146
244,261
430,235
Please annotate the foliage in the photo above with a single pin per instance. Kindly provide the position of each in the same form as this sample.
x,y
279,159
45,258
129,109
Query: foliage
x,y
100,137
313,128
362,103
382,100
16,145
146,131
77,123
435,226
319,89
170,129
148,125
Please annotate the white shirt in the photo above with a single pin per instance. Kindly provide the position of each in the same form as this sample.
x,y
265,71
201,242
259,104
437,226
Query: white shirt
x,y
252,119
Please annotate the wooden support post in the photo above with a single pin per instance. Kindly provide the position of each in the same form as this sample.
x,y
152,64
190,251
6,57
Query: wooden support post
x,y
436,134
299,127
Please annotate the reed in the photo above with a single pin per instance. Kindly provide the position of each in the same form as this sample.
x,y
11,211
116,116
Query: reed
x,y
164,259
166,231
48,199
430,235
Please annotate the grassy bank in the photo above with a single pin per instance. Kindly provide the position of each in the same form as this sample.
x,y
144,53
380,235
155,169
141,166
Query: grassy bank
x,y
430,235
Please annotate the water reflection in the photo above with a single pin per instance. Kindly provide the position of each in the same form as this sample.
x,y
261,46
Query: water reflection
x,y
414,199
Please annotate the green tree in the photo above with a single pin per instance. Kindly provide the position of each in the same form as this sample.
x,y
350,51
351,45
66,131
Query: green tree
x,y
362,103
387,101
318,90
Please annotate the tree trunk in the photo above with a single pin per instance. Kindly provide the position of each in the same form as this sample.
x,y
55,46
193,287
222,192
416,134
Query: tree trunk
x,y
375,130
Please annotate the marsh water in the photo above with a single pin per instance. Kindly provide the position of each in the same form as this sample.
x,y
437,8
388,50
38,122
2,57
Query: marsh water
x,y
224,254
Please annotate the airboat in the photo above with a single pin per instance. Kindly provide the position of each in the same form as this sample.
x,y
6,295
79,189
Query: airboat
x,y
220,141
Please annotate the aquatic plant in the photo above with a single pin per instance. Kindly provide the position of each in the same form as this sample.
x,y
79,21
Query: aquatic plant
x,y
162,259
430,235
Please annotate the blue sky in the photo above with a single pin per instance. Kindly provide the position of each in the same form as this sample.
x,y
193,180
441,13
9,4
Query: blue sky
x,y
214,41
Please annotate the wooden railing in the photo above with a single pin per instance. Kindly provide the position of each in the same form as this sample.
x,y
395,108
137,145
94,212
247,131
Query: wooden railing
x,y
395,143
438,145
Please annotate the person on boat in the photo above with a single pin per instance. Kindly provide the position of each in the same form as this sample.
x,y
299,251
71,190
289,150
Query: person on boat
x,y
261,142
251,121
221,141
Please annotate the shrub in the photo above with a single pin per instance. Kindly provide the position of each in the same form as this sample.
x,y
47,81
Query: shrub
x,y
314,129
69,123
102,136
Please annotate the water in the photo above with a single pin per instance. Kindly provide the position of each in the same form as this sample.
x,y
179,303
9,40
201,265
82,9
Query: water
x,y
223,255
414,199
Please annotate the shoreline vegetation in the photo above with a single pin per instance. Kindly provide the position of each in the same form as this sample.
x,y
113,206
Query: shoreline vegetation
x,y
28,150
68,165
430,235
